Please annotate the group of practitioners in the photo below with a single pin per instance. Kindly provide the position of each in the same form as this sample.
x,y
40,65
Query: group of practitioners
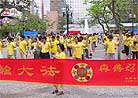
x,y
127,43
73,46
46,47
77,47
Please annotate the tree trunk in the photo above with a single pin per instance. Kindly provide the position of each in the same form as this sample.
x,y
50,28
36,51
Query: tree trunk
x,y
105,20
116,20
101,24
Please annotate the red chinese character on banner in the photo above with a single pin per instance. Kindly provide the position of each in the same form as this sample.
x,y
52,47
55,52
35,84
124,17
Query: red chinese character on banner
x,y
117,68
130,68
51,71
104,68
25,70
5,70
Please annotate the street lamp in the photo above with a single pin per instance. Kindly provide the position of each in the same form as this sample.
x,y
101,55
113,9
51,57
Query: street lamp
x,y
133,17
66,13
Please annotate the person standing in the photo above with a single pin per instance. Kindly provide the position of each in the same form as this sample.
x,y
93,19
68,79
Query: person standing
x,y
15,48
10,48
77,48
54,43
29,42
23,47
45,49
127,42
59,55
134,49
111,46
34,48
1,45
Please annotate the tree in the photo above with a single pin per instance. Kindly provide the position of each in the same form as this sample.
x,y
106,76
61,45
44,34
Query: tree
x,y
100,13
110,11
117,10
61,23
31,23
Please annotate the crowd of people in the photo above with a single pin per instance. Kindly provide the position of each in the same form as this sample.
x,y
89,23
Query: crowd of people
x,y
72,46
77,47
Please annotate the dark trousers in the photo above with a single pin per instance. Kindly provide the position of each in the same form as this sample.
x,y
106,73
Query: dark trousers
x,y
86,51
70,51
45,55
36,56
126,50
135,54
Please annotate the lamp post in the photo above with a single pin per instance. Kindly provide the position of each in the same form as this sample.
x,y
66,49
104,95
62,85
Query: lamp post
x,y
133,17
66,12
67,16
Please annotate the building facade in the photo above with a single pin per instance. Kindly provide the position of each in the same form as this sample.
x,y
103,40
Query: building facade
x,y
78,9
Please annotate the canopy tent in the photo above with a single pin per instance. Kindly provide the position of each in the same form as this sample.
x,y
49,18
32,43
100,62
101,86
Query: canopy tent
x,y
30,33
135,30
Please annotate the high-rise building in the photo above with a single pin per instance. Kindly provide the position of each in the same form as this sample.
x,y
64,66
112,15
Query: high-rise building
x,y
39,9
78,9
46,4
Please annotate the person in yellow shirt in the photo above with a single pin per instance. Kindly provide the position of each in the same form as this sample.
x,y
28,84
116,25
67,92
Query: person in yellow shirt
x,y
22,47
10,48
86,49
29,41
53,43
77,48
69,41
61,52
127,43
15,48
94,42
59,55
34,49
1,46
111,45
45,49
134,49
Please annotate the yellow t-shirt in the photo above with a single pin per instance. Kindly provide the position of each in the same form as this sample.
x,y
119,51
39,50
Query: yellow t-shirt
x,y
54,46
29,42
128,41
134,48
91,39
48,39
63,41
45,47
132,39
0,47
77,50
22,46
61,55
110,46
34,45
85,43
10,48
95,38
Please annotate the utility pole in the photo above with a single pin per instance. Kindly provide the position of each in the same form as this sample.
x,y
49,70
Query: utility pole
x,y
67,16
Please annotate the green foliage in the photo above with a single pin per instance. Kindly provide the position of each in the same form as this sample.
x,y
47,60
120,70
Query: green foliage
x,y
31,23
61,23
104,12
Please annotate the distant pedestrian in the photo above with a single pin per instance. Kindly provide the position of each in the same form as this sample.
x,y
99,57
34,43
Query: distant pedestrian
x,y
111,46
134,48
10,48
23,47
45,49
1,45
